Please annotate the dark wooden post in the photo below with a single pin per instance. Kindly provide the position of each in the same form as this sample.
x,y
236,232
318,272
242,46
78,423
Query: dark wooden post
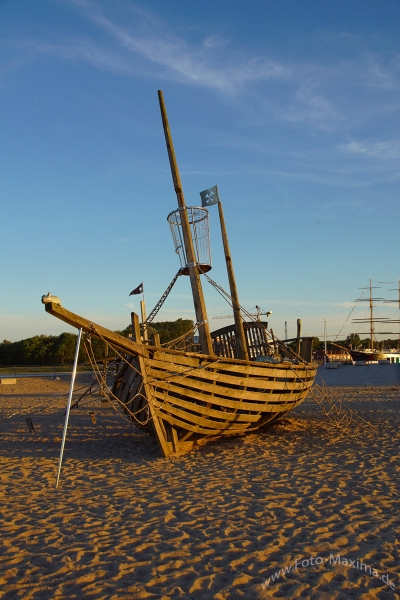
x,y
306,349
298,336
197,290
241,344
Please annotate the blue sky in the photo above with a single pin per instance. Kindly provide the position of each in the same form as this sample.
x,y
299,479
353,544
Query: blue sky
x,y
292,108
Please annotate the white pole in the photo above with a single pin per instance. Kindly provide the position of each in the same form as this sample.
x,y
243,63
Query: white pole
x,y
325,338
71,389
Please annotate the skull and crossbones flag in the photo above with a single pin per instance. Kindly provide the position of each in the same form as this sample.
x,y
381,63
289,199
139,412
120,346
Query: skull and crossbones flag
x,y
138,290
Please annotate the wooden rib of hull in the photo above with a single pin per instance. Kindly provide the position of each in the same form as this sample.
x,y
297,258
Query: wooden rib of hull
x,y
197,397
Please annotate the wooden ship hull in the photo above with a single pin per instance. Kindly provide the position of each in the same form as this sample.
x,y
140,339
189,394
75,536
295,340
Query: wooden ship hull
x,y
358,355
193,398
185,398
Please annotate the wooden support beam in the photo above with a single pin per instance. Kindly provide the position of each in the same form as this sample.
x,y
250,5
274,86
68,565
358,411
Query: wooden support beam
x,y
111,337
160,432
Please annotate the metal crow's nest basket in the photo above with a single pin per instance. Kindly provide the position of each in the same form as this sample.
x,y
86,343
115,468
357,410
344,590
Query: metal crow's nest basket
x,y
200,229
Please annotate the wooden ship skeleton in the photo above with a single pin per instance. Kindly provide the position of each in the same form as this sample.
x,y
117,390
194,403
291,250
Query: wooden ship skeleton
x,y
238,382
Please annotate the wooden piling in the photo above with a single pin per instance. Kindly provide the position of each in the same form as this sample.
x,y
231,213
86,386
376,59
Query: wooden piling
x,y
298,336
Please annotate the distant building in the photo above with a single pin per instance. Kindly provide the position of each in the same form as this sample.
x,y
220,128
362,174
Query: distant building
x,y
393,356
332,355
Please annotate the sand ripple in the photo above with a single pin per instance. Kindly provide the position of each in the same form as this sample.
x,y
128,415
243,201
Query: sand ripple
x,y
216,523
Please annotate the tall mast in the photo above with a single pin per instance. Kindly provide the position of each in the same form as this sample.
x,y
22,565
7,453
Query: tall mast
x,y
240,335
398,289
371,321
197,290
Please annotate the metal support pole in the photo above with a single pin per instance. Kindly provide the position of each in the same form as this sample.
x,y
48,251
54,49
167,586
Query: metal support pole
x,y
71,389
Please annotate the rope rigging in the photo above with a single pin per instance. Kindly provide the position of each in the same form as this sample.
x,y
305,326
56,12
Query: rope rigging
x,y
286,350
161,301
111,397
350,313
336,411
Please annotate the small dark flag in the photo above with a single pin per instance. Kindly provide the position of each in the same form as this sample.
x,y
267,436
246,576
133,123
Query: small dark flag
x,y
138,290
210,196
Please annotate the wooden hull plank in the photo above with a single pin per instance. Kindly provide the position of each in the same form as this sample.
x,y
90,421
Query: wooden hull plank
x,y
264,405
295,372
220,391
183,424
243,369
157,371
201,409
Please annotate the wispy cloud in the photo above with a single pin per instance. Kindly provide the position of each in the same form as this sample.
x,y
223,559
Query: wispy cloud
x,y
383,150
324,92
165,54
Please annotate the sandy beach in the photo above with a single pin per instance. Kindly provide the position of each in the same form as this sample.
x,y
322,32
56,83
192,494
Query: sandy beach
x,y
297,510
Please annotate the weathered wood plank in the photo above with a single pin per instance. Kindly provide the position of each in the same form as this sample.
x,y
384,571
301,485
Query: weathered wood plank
x,y
128,380
102,333
166,449
180,359
229,370
221,382
208,426
204,410
175,439
242,368
265,405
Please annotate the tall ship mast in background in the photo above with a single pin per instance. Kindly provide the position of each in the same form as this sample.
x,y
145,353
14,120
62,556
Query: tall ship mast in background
x,y
371,353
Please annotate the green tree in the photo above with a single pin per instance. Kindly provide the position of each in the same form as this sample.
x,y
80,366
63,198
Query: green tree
x,y
353,339
167,330
65,348
317,344
170,330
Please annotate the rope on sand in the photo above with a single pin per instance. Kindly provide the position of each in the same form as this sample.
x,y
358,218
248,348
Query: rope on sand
x,y
336,411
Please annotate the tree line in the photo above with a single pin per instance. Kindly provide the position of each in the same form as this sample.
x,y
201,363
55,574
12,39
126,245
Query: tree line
x,y
353,340
60,349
